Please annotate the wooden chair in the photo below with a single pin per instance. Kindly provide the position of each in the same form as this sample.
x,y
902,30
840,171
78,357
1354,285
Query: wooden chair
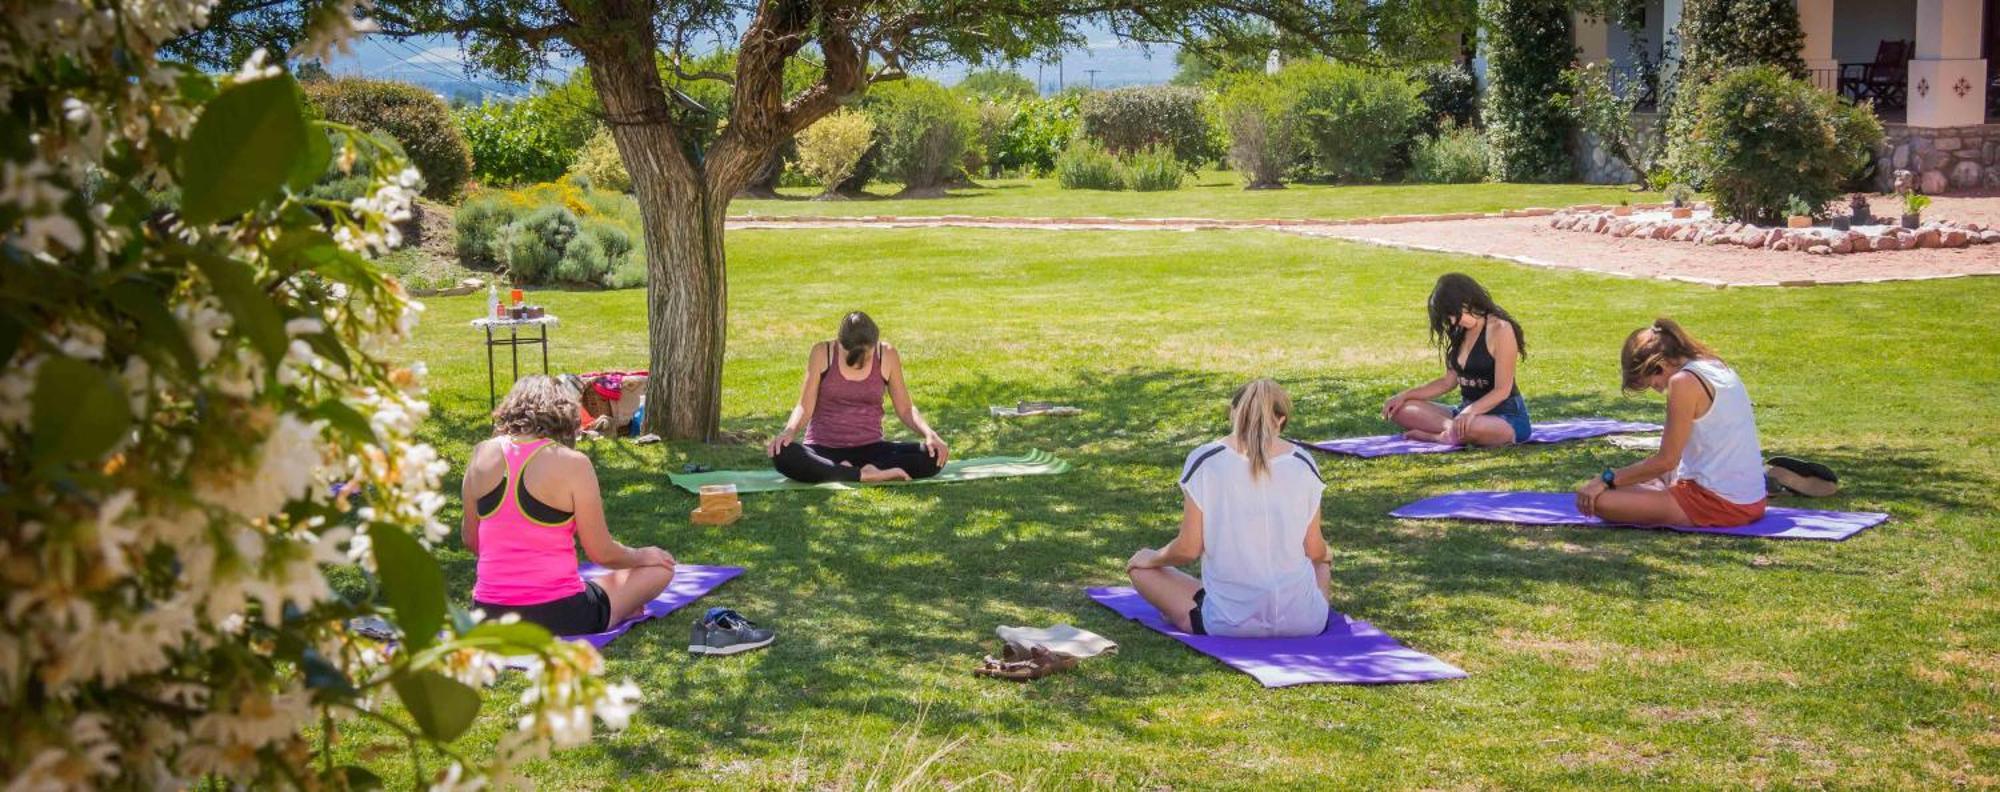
x,y
1886,80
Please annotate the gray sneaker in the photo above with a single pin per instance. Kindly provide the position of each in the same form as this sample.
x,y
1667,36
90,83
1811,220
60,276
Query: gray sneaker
x,y
725,632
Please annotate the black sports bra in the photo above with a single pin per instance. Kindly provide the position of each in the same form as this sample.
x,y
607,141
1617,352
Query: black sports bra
x,y
535,510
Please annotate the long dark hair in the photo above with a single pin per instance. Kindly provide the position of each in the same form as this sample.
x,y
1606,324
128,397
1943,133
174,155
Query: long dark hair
x,y
857,335
1456,293
1650,350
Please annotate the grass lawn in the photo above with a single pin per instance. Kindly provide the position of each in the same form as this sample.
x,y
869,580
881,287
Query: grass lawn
x,y
1598,658
1214,194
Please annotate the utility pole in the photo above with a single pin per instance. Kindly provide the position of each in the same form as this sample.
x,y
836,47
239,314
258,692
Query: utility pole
x,y
1093,77
1059,75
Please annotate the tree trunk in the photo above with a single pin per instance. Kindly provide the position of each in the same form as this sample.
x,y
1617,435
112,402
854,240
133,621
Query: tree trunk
x,y
765,183
686,308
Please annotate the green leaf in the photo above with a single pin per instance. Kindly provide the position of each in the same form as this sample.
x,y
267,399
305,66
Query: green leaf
x,y
442,707
313,250
516,638
346,419
80,412
257,318
411,581
312,164
147,306
328,346
246,145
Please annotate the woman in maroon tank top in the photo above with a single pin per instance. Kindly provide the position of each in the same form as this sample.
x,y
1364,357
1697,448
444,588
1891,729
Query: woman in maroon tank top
x,y
840,407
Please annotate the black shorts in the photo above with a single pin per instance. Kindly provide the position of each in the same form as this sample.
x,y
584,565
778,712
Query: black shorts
x,y
587,611
1194,614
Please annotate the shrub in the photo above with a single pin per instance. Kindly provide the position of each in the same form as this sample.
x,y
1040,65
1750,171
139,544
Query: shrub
x,y
598,162
832,146
531,245
1528,47
1762,137
1351,120
628,273
1154,169
1085,165
1259,116
1130,119
924,130
1449,93
518,142
1036,133
997,84
593,254
477,226
1456,155
1604,110
1717,36
416,118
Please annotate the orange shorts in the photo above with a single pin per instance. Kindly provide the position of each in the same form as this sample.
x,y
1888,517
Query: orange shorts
x,y
1705,509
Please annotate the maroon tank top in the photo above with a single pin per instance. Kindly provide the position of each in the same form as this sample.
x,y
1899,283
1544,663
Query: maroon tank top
x,y
848,412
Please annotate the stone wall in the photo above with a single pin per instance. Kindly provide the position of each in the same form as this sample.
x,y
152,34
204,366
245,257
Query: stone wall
x,y
1945,160
1596,166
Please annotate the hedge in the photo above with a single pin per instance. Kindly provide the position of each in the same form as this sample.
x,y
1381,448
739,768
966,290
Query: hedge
x,y
416,118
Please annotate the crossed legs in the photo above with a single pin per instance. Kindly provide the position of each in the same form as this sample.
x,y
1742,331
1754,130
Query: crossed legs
x,y
630,589
1431,423
1645,503
1171,591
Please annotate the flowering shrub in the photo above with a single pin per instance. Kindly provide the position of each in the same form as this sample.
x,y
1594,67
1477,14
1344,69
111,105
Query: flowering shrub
x,y
197,418
599,164
832,146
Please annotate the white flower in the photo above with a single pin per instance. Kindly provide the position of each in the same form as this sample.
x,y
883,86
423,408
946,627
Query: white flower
x,y
618,704
288,463
255,68
456,779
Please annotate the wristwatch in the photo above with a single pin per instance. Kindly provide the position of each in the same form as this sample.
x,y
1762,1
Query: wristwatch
x,y
1609,477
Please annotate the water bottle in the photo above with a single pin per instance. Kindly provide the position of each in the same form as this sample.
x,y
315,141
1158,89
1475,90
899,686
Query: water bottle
x,y
492,300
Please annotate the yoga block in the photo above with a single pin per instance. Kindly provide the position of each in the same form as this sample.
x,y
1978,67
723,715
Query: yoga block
x,y
717,515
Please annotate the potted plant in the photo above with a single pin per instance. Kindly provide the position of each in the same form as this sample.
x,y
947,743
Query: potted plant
x,y
1913,209
1681,196
1798,213
1624,208
1857,208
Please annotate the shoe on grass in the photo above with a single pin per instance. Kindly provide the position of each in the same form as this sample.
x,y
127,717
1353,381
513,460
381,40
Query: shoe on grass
x,y
725,632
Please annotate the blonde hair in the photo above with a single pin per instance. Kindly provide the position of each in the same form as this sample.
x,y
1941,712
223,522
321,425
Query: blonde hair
x,y
1650,350
1257,414
539,406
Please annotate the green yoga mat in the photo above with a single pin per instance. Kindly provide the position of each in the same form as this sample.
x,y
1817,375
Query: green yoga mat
x,y
1033,463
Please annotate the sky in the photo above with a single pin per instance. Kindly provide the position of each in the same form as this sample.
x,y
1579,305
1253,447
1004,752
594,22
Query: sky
x,y
437,64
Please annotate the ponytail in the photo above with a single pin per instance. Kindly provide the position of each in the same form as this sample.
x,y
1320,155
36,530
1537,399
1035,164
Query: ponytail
x,y
1651,350
857,335
1257,415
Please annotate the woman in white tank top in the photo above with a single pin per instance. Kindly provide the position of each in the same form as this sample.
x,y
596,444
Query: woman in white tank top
x,y
1709,471
1250,514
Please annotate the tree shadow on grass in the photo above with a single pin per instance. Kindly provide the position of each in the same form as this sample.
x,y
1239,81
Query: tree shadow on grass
x,y
886,598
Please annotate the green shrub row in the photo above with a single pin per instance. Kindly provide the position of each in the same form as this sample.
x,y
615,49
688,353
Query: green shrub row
x,y
1088,165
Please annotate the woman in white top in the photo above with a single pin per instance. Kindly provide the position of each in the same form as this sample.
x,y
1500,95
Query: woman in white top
x,y
1250,513
1709,471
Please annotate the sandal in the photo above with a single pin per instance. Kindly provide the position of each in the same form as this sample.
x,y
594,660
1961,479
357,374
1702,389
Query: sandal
x,y
1810,479
1019,666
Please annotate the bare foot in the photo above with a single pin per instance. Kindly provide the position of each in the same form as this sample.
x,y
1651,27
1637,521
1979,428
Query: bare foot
x,y
1425,437
871,473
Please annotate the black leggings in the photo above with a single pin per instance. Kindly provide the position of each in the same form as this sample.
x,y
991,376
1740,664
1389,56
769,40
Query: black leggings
x,y
814,464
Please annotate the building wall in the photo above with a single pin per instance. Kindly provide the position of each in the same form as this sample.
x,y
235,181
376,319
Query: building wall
x,y
1860,25
1943,160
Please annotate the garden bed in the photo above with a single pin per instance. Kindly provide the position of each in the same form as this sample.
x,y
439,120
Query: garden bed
x,y
1702,227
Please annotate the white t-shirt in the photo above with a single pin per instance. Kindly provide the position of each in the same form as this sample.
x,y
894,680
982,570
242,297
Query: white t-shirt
x,y
1722,451
1253,559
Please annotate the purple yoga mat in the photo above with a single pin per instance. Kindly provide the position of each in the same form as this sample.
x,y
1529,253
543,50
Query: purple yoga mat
x,y
691,582
1559,508
1552,432
1350,652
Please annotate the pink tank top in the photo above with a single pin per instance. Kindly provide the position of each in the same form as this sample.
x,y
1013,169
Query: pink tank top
x,y
849,412
522,561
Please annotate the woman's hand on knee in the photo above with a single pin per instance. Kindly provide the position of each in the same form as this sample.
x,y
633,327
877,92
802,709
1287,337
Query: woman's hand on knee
x,y
1146,558
778,443
1586,496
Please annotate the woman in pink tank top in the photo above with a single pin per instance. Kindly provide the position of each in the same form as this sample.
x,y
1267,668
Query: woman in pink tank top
x,y
529,499
840,407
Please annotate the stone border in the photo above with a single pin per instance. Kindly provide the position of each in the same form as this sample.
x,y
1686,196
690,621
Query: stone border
x,y
1816,240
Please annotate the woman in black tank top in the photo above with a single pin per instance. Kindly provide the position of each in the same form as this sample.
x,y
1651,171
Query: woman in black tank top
x,y
1482,346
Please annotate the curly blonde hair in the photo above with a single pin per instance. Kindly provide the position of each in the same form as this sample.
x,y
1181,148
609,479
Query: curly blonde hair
x,y
539,406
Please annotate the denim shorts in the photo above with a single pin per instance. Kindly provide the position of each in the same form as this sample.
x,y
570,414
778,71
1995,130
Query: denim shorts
x,y
1514,411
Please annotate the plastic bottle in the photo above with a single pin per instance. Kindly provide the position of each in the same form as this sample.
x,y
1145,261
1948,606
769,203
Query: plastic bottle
x,y
492,300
